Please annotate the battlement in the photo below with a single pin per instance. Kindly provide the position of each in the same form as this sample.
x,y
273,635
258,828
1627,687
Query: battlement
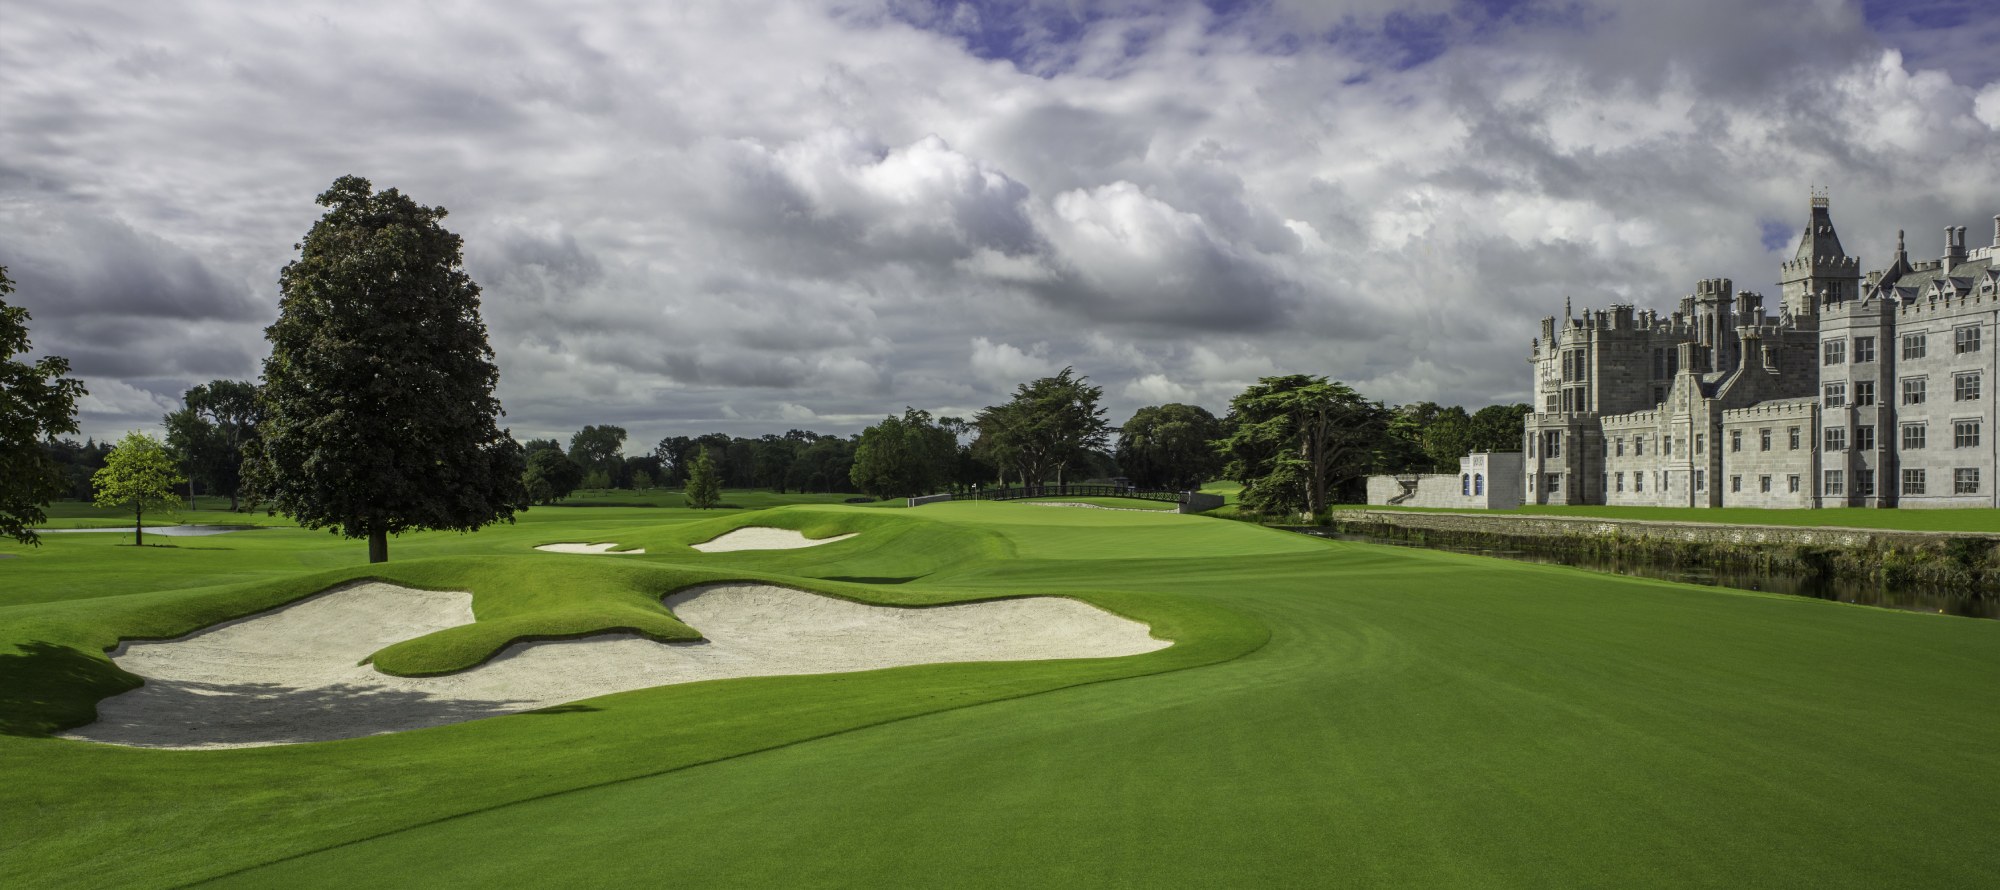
x,y
1790,409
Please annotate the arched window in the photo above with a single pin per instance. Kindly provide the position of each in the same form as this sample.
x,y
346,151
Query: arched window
x,y
1464,484
1479,483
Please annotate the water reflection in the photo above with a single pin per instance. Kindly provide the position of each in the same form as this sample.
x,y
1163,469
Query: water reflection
x,y
1913,598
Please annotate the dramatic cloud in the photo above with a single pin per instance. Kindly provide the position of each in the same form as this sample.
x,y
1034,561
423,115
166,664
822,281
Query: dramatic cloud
x,y
757,215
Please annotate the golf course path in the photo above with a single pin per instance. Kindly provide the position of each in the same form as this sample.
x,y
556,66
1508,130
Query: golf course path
x,y
295,674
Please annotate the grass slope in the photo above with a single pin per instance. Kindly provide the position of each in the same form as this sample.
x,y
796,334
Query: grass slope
x,y
1333,713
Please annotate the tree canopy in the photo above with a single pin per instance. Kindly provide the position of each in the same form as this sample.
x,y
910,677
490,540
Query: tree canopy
x,y
138,473
704,484
904,456
37,402
1292,439
551,475
1170,446
210,432
598,449
1051,425
377,399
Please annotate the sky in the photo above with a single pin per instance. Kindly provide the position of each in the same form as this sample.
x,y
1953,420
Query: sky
x,y
757,215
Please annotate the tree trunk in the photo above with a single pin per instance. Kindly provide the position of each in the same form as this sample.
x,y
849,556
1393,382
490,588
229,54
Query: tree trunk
x,y
139,525
378,545
233,504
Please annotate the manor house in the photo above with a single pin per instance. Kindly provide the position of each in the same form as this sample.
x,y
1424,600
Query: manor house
x,y
1855,390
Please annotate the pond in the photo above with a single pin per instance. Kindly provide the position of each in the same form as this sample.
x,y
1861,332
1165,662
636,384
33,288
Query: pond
x,y
1912,598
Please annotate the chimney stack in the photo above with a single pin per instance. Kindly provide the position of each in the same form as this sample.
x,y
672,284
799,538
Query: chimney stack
x,y
1996,232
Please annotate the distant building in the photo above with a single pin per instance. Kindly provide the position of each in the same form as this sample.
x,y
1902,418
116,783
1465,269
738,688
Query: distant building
x,y
1484,481
1860,391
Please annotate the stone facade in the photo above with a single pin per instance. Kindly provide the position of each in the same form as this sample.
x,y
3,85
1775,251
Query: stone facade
x,y
1484,481
1872,390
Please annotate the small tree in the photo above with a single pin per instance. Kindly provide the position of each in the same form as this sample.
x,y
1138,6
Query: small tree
x,y
36,403
139,473
704,485
378,415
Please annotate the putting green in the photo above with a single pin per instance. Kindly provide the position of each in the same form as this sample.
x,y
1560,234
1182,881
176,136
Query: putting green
x,y
1331,713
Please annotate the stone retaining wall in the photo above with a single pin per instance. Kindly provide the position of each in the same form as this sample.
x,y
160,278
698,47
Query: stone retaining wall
x,y
1517,525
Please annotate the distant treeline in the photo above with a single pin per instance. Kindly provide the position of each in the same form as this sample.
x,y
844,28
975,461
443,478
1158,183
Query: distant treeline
x,y
1296,442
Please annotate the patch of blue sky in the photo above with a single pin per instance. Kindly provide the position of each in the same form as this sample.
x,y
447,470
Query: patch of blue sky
x,y
1777,233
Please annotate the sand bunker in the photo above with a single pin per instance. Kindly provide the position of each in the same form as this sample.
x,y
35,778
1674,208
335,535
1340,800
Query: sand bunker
x,y
600,549
758,537
290,675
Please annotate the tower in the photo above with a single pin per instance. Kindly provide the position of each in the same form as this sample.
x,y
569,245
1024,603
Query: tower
x,y
1820,271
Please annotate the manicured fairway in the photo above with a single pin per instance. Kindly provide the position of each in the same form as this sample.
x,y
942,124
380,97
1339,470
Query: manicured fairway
x,y
1331,714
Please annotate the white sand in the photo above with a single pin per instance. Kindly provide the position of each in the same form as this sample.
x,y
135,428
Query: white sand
x,y
600,549
291,675
758,537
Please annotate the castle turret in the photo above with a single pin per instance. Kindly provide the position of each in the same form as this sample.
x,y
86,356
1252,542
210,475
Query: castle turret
x,y
1819,270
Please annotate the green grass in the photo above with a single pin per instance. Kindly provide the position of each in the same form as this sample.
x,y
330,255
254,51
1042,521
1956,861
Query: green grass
x,y
1973,520
1331,713
1115,503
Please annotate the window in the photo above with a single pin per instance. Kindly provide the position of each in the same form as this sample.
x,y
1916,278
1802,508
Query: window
x,y
1835,352
1700,481
1659,394
1764,439
1965,434
1913,390
1552,403
1913,481
1836,483
1913,436
1735,484
1836,439
1701,443
1621,446
1864,349
1666,480
1792,483
1914,346
1735,440
1478,483
1864,438
1965,387
1836,395
1764,484
1794,431
1864,482
1621,481
1965,480
1666,445
1465,484
1965,339
1638,481
1638,446
1552,446
1864,392
1555,482
1531,481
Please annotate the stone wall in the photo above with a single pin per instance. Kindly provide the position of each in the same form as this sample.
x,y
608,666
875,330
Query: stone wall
x,y
1516,525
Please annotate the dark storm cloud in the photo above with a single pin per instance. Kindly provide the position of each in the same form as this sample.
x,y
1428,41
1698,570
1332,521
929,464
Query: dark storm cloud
x,y
683,224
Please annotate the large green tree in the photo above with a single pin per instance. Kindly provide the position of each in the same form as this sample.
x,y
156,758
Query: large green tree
x,y
550,476
210,434
377,401
1293,439
600,450
1051,425
704,482
904,456
1170,446
1498,427
138,473
37,402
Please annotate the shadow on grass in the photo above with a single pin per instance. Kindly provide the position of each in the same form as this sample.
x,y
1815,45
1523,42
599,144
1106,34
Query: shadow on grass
x,y
45,688
865,579
188,713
